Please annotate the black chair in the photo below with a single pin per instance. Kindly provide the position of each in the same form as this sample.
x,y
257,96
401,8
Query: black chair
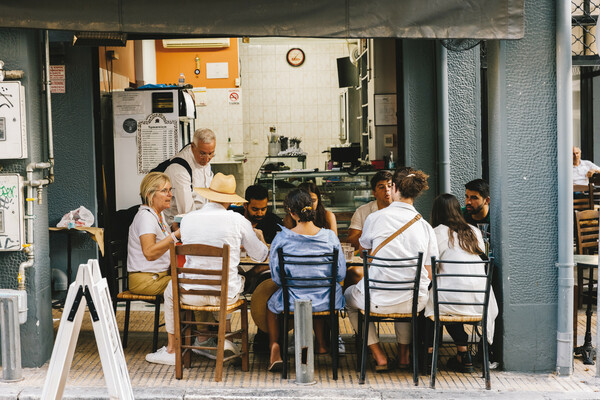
x,y
475,320
366,316
117,258
329,281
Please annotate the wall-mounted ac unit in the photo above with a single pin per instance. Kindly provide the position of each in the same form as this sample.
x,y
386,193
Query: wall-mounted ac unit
x,y
203,43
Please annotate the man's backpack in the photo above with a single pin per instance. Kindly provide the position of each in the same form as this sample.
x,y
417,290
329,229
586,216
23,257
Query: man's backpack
x,y
162,167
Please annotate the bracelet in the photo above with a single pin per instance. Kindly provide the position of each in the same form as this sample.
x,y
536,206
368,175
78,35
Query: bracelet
x,y
175,240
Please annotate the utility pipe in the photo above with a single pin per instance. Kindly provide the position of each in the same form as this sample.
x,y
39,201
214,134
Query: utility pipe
x,y
564,117
443,118
49,108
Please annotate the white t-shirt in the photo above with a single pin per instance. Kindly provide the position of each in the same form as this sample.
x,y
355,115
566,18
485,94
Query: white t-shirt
x,y
360,215
213,225
419,237
184,198
146,221
580,171
455,253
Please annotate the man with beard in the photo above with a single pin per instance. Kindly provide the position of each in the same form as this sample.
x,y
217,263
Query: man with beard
x,y
255,211
477,202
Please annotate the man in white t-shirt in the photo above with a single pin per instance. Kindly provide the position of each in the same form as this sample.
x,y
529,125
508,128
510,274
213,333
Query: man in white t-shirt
x,y
197,155
582,169
381,184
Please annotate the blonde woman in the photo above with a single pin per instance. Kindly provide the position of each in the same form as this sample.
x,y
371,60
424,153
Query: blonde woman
x,y
148,259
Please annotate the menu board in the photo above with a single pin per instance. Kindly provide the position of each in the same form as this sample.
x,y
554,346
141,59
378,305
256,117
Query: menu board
x,y
157,140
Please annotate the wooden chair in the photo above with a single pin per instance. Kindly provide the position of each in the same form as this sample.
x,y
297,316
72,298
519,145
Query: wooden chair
x,y
594,190
582,198
119,283
586,226
186,327
366,316
475,320
327,280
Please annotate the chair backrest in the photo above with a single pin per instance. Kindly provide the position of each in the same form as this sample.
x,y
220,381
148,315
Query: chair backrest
x,y
308,282
204,276
594,189
439,286
586,225
582,198
117,277
414,263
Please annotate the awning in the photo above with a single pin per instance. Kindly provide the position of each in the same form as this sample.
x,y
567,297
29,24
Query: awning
x,y
433,19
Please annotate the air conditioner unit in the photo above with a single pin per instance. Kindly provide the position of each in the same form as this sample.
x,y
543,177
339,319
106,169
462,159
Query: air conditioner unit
x,y
204,43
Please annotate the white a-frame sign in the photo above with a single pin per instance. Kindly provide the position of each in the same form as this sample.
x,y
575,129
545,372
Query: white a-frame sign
x,y
88,289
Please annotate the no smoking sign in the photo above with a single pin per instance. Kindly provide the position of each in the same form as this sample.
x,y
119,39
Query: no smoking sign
x,y
234,97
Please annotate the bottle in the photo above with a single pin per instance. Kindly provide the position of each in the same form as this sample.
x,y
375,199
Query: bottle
x,y
181,80
391,163
229,149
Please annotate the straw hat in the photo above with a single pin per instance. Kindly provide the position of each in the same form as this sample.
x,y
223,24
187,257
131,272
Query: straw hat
x,y
258,304
221,190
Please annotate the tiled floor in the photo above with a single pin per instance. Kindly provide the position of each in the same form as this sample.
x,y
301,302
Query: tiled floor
x,y
86,369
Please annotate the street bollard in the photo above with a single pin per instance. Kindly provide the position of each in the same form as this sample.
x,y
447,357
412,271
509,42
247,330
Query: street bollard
x,y
303,340
11,339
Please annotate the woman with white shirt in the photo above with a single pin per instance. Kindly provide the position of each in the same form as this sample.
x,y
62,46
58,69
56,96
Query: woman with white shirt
x,y
148,259
418,237
458,241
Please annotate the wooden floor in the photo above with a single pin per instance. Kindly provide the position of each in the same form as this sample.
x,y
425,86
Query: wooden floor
x,y
86,369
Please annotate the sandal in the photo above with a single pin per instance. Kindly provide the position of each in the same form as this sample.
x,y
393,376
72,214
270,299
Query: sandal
x,y
465,365
276,366
387,366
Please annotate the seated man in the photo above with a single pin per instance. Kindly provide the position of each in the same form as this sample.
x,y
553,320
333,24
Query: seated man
x,y
477,202
212,225
381,185
582,169
255,211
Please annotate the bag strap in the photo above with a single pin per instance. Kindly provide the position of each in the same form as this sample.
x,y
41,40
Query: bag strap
x,y
395,234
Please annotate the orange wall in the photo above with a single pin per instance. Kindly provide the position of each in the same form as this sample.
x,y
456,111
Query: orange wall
x,y
171,62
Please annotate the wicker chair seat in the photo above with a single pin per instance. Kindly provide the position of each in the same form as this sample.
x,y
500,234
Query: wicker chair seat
x,y
230,307
127,295
458,318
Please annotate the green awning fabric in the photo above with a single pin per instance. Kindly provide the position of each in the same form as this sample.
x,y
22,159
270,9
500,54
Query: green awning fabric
x,y
433,19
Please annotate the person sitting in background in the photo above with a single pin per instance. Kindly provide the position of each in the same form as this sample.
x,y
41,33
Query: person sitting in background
x,y
255,211
477,202
458,241
582,169
418,237
212,225
306,238
323,218
148,259
381,185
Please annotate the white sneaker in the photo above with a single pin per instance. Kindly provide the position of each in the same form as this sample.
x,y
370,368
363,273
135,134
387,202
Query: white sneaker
x,y
230,348
161,357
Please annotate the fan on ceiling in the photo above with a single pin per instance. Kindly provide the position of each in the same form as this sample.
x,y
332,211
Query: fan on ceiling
x,y
353,52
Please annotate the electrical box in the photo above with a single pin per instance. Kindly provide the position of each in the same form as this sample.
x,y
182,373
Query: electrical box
x,y
11,212
13,136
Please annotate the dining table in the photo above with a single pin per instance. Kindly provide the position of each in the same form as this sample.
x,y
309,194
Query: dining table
x,y
587,263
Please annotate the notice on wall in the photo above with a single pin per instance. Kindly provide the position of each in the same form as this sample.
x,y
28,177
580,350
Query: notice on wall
x,y
234,97
157,140
385,109
57,79
217,70
128,103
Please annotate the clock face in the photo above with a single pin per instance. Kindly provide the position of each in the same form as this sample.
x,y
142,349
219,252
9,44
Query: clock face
x,y
295,57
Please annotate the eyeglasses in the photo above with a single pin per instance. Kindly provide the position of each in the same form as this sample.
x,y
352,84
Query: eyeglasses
x,y
166,190
202,154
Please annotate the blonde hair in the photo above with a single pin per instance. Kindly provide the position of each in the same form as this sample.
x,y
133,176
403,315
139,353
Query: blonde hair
x,y
151,183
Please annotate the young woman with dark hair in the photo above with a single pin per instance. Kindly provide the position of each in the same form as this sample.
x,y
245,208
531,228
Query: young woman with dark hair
x,y
458,241
323,218
305,238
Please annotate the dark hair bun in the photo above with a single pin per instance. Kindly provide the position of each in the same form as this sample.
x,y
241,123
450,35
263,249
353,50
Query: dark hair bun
x,y
410,183
299,202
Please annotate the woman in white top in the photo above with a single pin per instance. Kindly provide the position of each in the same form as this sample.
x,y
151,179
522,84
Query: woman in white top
x,y
148,258
458,241
419,237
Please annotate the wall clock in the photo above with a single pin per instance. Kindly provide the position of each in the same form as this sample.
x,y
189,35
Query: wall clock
x,y
295,57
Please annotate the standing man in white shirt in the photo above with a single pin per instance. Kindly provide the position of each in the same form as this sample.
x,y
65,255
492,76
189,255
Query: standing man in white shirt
x,y
197,155
582,169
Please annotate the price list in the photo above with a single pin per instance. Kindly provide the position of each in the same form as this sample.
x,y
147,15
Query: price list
x,y
157,140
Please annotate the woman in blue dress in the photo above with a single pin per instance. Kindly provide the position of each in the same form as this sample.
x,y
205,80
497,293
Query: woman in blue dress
x,y
306,239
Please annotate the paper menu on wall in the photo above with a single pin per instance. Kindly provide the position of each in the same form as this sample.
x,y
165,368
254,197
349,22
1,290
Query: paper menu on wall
x,y
217,70
200,97
157,140
128,103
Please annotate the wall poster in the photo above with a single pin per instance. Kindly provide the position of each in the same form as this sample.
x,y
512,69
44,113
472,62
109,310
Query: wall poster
x,y
157,140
